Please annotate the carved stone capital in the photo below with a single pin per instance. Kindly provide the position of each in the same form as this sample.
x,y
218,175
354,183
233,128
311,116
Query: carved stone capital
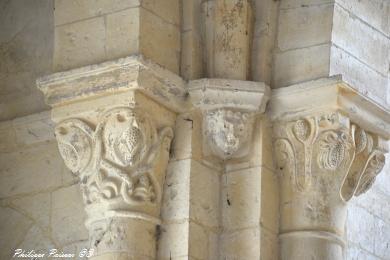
x,y
329,145
120,161
114,128
327,152
229,108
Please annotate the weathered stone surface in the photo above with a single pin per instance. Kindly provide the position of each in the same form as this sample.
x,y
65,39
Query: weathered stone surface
x,y
13,226
373,12
361,40
300,65
31,169
241,199
304,27
79,44
121,30
363,78
205,195
235,245
361,228
68,216
26,50
37,207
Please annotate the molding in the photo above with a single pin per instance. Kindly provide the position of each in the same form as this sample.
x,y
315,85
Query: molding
x,y
130,73
248,96
329,94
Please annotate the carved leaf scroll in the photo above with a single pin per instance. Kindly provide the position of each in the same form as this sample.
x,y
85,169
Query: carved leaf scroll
x,y
116,161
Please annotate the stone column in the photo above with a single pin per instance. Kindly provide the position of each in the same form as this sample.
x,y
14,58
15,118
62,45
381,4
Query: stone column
x,y
114,128
231,112
329,145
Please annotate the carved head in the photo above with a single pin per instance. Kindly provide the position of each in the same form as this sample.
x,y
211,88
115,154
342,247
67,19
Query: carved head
x,y
228,132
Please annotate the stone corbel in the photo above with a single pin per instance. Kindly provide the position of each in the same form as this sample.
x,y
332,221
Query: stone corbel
x,y
229,108
114,128
329,145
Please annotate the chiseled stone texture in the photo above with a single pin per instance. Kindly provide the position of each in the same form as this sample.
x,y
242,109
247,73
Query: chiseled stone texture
x,y
26,47
40,202
89,32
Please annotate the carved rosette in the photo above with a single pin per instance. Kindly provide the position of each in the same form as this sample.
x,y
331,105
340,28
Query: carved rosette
x,y
228,132
327,149
120,162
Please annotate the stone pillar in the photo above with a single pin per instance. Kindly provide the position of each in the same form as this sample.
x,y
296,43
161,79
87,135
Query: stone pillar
x,y
329,146
114,128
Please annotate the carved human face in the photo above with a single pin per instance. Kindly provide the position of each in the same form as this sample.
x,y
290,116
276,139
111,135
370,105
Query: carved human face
x,y
227,132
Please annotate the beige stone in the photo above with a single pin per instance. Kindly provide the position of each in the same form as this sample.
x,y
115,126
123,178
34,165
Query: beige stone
x,y
67,211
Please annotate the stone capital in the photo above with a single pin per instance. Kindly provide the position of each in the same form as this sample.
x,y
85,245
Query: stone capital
x,y
229,108
114,126
329,145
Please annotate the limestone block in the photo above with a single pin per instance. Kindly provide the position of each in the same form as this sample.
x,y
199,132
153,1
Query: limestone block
x,y
122,33
26,50
157,35
269,245
241,199
261,154
242,244
7,137
31,169
353,252
286,4
168,10
269,200
78,44
361,40
363,78
38,240
376,203
15,226
68,215
300,65
204,195
175,205
213,245
198,241
173,240
374,12
361,228
37,207
383,181
382,242
305,26
34,128
68,11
